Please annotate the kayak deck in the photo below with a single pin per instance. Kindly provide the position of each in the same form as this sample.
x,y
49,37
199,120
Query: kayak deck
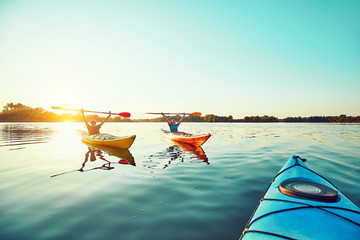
x,y
310,213
109,140
182,137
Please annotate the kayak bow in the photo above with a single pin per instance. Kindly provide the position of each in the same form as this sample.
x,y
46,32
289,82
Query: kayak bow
x,y
301,204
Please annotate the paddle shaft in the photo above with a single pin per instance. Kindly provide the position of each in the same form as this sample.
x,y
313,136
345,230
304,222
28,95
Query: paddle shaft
x,y
123,114
194,113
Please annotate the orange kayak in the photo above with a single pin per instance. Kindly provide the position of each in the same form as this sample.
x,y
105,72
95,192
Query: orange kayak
x,y
192,139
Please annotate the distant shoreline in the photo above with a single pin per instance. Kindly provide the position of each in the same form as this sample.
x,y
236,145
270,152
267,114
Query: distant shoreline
x,y
21,113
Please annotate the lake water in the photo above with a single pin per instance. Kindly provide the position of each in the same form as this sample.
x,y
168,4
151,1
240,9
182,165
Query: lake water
x,y
167,191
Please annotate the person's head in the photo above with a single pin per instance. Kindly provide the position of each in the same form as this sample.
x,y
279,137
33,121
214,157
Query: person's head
x,y
173,121
93,122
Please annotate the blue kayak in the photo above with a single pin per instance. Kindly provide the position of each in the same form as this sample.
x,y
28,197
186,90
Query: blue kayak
x,y
301,204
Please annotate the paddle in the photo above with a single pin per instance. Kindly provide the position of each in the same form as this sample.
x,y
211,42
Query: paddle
x,y
122,114
194,113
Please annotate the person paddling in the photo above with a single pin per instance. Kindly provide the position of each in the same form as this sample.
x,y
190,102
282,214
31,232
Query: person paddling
x,y
172,124
92,127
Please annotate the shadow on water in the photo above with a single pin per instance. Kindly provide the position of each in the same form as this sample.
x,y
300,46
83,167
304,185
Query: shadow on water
x,y
23,134
96,152
177,152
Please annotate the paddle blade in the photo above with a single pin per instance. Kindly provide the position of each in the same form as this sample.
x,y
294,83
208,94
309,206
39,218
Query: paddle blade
x,y
122,161
124,114
196,114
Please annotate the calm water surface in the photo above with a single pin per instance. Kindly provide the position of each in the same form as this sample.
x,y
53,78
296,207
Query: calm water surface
x,y
157,190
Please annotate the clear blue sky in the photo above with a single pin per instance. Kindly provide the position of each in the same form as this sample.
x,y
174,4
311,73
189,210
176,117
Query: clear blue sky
x,y
244,57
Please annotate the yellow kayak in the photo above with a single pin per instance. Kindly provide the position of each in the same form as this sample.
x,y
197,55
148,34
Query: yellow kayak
x,y
109,140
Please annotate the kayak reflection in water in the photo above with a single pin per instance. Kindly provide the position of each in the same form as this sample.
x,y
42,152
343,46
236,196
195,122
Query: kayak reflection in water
x,y
93,153
172,123
176,153
92,127
197,151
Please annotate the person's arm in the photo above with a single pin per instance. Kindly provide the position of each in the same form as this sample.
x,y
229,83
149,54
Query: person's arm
x,y
166,118
181,119
82,113
105,119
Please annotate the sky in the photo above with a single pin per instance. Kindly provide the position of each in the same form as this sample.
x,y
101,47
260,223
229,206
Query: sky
x,y
242,58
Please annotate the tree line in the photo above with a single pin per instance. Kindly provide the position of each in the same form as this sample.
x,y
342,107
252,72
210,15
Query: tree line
x,y
20,113
341,118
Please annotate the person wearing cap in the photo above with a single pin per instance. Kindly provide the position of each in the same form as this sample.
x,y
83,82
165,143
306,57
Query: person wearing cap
x,y
92,127
172,123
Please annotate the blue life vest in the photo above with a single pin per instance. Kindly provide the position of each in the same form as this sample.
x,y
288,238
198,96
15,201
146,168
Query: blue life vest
x,y
173,127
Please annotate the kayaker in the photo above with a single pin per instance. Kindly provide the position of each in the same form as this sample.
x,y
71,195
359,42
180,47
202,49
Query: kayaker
x,y
172,124
92,127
